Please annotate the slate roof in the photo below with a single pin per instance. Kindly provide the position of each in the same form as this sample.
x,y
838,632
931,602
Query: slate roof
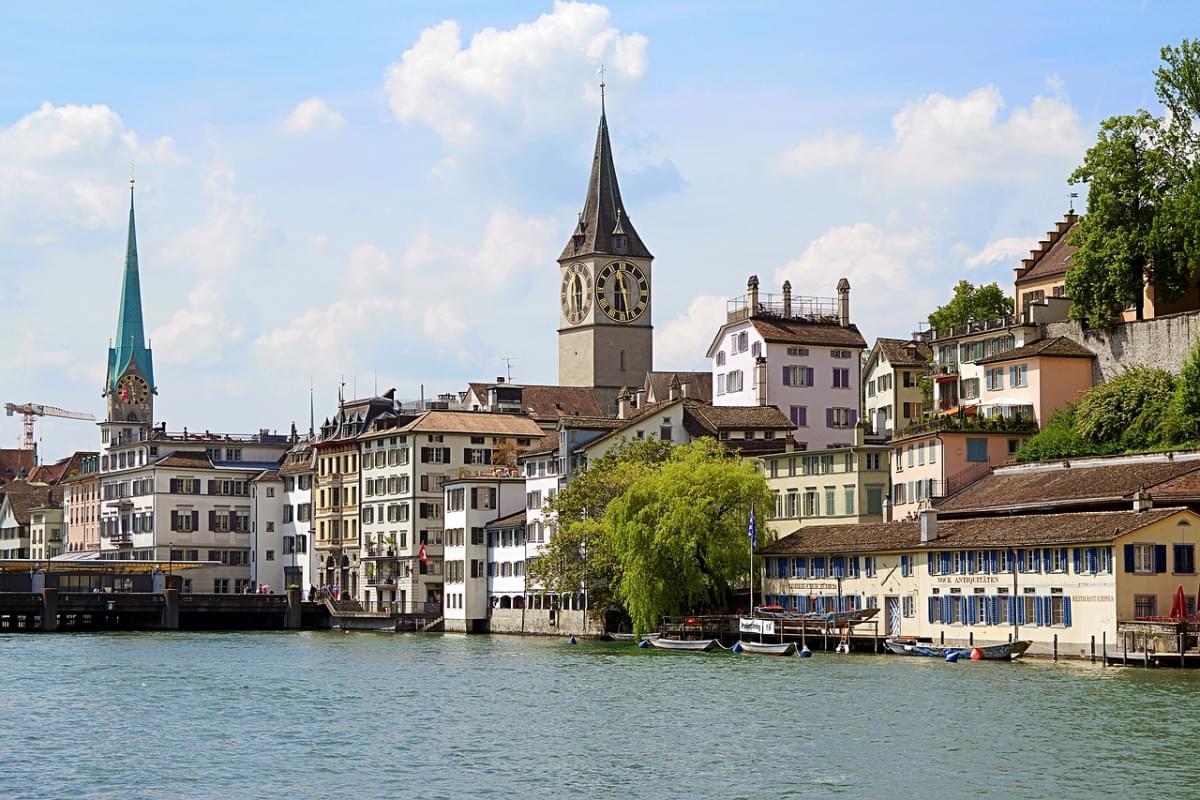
x,y
800,331
603,212
699,385
1018,531
1054,260
1054,347
905,352
1054,484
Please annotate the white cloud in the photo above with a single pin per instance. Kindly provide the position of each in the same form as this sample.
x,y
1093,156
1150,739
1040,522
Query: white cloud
x,y
682,342
1008,248
368,266
69,164
827,151
311,115
938,140
889,274
200,333
524,79
512,247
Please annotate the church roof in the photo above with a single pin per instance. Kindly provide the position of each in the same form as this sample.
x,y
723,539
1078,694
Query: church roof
x,y
603,215
130,343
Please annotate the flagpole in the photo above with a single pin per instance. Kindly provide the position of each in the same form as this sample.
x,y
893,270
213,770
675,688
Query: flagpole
x,y
752,532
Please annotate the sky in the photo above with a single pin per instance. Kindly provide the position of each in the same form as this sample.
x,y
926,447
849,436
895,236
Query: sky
x,y
377,192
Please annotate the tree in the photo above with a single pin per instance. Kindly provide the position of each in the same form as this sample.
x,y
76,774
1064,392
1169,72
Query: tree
x,y
679,536
1126,410
971,303
1177,84
1182,422
579,552
1059,438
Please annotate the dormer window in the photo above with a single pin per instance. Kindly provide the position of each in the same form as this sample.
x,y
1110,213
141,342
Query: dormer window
x,y
620,242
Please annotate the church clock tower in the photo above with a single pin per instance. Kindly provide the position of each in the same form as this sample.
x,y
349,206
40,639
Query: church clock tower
x,y
605,338
129,385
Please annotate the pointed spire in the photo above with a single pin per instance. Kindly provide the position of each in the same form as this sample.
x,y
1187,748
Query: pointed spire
x,y
131,336
603,212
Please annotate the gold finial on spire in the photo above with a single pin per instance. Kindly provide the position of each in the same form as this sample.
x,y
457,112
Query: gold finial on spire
x,y
601,72
131,179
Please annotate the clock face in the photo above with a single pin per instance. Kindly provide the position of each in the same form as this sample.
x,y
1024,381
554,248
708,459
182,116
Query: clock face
x,y
622,291
132,390
576,293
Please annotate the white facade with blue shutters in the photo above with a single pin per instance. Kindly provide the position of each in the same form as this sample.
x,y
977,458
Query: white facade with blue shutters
x,y
1052,579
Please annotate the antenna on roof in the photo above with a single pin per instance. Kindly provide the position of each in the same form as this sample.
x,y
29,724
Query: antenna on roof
x,y
1071,198
508,362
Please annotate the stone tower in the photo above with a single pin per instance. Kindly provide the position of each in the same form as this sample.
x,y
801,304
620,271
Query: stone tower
x,y
129,385
605,337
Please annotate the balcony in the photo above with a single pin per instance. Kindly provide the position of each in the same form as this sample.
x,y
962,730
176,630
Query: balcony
x,y
969,423
381,579
814,309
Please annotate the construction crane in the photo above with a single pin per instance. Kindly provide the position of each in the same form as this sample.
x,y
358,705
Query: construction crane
x,y
31,410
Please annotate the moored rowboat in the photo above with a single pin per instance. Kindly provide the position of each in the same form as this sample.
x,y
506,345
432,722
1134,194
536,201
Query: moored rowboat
x,y
1004,651
767,648
692,645
620,637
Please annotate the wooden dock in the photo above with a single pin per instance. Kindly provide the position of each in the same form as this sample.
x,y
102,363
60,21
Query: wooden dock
x,y
862,636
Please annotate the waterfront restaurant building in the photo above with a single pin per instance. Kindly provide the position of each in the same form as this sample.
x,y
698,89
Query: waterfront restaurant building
x,y
1055,553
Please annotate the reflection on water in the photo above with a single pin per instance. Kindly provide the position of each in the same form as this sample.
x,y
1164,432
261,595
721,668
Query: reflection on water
x,y
329,715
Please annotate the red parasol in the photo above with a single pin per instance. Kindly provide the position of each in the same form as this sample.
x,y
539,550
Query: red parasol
x,y
1179,604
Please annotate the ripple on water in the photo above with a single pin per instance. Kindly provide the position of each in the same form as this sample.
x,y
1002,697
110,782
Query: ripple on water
x,y
317,715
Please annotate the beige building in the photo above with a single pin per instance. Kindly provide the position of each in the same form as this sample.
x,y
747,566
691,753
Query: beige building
x,y
47,536
837,486
891,383
1034,381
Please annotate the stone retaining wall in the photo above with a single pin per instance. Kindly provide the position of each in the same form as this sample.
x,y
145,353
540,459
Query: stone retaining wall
x,y
1162,343
538,622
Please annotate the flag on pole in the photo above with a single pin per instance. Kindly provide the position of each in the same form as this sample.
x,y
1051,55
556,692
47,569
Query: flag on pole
x,y
422,556
752,532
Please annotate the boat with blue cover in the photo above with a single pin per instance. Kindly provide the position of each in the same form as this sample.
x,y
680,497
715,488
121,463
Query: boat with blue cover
x,y
908,646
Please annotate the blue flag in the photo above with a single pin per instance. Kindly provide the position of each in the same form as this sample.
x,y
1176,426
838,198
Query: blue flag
x,y
753,532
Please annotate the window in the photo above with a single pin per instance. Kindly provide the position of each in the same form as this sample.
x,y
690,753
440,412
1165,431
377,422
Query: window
x,y
1145,605
851,507
871,388
841,378
840,417
811,503
977,450
799,416
270,555
733,380
840,354
1018,375
995,379
455,499
869,566
720,358
1185,559
1143,558
533,499
797,351
909,606
220,585
829,499
756,349
797,375
874,461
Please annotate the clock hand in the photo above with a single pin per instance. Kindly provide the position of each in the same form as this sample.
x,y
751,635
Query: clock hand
x,y
624,290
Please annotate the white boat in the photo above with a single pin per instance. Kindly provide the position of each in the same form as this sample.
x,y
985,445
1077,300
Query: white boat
x,y
620,637
766,648
692,645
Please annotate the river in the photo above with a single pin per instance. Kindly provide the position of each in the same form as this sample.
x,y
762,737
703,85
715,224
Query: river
x,y
328,715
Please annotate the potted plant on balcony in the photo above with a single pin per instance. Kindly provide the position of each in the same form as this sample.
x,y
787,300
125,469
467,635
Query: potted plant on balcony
x,y
369,543
370,573
391,544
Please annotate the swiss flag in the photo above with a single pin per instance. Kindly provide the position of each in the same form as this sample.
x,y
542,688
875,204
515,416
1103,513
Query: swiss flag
x,y
424,559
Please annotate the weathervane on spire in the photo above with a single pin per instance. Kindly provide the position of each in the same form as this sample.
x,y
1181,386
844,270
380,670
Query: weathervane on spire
x,y
601,72
131,180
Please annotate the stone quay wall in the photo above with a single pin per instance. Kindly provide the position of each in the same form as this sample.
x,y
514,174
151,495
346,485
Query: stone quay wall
x,y
537,622
1162,343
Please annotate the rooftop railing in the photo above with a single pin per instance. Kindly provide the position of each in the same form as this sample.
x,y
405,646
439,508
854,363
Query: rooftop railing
x,y
815,309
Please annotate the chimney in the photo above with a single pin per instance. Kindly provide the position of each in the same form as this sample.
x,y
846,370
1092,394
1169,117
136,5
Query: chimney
x,y
929,531
623,405
499,379
673,389
683,388
787,299
1142,501
752,294
760,380
843,290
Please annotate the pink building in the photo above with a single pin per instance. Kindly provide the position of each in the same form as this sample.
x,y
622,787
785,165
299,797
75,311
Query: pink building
x,y
799,354
1035,380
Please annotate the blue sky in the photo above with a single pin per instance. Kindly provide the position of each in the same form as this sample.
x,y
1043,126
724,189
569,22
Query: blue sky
x,y
382,189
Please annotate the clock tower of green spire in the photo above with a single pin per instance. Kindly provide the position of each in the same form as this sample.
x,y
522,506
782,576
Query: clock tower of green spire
x,y
129,385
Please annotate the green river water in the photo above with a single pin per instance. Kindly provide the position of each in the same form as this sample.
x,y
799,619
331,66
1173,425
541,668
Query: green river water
x,y
327,715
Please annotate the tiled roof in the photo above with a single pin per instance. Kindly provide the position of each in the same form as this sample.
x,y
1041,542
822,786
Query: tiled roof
x,y
1054,484
699,385
1018,531
23,497
800,331
15,462
480,423
547,444
737,418
905,352
516,519
1055,260
1054,347
548,403
187,459
267,475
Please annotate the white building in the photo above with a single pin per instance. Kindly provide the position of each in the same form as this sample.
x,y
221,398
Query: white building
x,y
471,503
799,354
891,383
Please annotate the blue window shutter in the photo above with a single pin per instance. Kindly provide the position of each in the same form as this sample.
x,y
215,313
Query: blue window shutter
x,y
945,562
1037,605
787,372
967,614
1129,558
829,418
1062,557
1047,559
903,565
852,416
1019,606
1160,558
1020,561
1012,608
970,561
995,556
1077,557
856,565
932,600
808,376
1067,611
1093,560
803,568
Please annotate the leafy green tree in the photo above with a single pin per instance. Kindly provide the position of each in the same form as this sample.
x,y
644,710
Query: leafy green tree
x,y
579,553
1058,438
679,535
1181,424
971,303
1126,410
1177,84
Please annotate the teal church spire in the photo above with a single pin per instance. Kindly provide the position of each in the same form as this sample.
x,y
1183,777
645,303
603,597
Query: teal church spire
x,y
130,345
